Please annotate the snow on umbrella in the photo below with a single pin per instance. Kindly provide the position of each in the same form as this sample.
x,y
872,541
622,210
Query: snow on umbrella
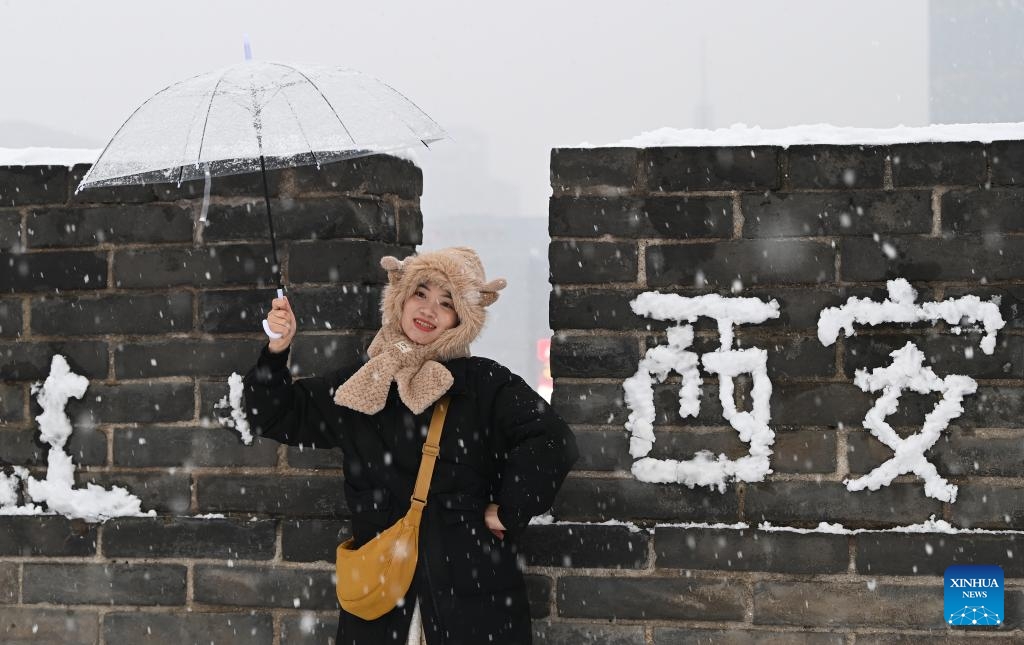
x,y
257,115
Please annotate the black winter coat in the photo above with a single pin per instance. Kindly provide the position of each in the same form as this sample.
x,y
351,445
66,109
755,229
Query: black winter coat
x,y
501,442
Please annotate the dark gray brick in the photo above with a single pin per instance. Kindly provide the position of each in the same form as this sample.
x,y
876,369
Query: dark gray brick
x,y
753,262
53,270
833,166
992,211
670,217
819,404
602,449
843,213
303,219
932,259
10,318
115,224
324,353
24,185
10,230
748,550
141,402
593,403
315,308
374,174
596,308
26,360
794,357
594,356
944,353
184,537
23,625
986,504
184,357
100,584
844,604
561,632
1007,158
605,499
812,502
309,629
581,545
650,598
307,540
134,314
297,495
191,627
236,264
347,261
948,163
162,492
902,554
410,224
264,587
688,636
539,590
590,262
604,171
9,586
172,446
130,194
315,458
28,536
695,169
804,451
87,446
12,403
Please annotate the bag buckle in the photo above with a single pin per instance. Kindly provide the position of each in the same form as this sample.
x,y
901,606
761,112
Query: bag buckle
x,y
433,451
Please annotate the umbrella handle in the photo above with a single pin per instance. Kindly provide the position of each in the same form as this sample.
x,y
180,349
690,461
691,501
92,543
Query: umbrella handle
x,y
266,325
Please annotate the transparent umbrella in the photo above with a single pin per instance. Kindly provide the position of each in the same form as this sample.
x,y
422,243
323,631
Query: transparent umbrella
x,y
258,115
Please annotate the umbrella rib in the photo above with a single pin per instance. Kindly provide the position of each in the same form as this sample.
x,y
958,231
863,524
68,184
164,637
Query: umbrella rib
x,y
206,121
320,92
301,129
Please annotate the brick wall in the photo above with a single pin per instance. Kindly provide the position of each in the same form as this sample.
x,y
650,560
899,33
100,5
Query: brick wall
x,y
168,313
808,226
157,313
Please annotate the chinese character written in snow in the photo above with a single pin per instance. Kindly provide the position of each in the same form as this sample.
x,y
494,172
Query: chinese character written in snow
x,y
704,469
907,371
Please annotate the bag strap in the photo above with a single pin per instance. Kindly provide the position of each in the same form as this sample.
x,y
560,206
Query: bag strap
x,y
431,449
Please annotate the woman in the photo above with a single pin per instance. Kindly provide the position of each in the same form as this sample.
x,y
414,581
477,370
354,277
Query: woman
x,y
504,452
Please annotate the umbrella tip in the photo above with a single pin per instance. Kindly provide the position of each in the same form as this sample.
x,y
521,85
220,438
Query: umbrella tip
x,y
247,46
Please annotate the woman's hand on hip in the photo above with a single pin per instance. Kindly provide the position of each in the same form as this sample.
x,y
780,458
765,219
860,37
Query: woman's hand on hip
x,y
492,521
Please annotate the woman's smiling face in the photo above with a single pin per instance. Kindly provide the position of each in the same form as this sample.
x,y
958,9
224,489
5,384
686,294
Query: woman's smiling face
x,y
427,313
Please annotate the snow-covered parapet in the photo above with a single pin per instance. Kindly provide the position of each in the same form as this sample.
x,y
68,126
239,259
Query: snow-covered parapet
x,y
818,134
57,492
704,469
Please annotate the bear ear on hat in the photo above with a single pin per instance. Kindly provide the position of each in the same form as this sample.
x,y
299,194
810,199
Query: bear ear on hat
x,y
489,292
393,266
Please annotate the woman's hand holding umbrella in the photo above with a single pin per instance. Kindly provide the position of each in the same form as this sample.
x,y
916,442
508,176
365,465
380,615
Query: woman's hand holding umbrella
x,y
281,321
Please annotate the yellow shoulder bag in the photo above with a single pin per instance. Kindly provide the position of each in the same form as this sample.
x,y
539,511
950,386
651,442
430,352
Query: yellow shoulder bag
x,y
372,578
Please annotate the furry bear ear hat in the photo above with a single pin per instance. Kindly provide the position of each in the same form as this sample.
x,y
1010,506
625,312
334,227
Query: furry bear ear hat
x,y
417,369
459,271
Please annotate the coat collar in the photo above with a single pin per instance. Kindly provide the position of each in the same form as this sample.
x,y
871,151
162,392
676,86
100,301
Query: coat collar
x,y
458,368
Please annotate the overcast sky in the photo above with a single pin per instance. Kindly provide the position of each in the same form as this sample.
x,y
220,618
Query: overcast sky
x,y
508,83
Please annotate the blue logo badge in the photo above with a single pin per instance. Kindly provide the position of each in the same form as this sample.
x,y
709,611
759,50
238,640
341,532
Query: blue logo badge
x,y
974,595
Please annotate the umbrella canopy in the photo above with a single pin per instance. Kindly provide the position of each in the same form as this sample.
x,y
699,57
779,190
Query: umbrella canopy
x,y
224,122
